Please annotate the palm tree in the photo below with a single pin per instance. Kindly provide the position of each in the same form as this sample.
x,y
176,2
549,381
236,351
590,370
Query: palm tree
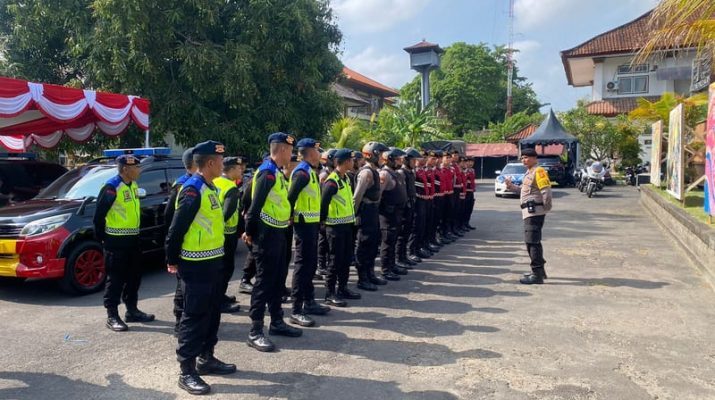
x,y
345,133
652,111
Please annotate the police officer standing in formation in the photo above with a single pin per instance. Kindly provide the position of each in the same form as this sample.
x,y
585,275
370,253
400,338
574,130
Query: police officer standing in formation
x,y
406,241
195,249
418,236
536,202
228,195
116,226
266,224
366,200
304,196
471,179
338,215
392,204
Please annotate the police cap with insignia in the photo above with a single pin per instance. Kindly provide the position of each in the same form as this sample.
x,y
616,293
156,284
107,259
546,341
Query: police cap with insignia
x,y
343,154
231,161
528,152
307,143
127,159
209,148
280,137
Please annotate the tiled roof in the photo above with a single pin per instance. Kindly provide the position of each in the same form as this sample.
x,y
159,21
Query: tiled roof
x,y
507,150
626,38
616,106
348,94
368,84
523,133
423,45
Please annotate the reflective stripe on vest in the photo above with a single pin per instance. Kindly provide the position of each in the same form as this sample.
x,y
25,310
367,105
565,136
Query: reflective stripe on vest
x,y
308,203
276,209
224,185
123,217
204,239
340,210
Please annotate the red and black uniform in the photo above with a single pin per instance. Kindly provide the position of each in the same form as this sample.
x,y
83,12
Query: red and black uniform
x,y
422,193
447,181
471,185
460,196
437,203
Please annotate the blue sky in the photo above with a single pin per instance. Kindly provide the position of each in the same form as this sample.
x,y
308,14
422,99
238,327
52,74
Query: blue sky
x,y
376,31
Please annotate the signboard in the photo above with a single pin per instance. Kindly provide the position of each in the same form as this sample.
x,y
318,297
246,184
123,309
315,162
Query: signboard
x,y
675,181
710,156
702,68
657,130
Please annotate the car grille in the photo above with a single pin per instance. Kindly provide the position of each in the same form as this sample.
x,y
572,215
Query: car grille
x,y
10,230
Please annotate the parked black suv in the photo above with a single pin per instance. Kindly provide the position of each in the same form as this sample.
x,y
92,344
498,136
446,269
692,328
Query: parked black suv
x,y
22,176
52,236
555,169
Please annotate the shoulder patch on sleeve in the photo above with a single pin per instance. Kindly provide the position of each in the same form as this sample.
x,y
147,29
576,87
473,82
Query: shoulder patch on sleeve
x,y
542,178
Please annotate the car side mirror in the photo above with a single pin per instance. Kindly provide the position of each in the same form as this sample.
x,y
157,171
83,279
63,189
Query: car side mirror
x,y
498,172
141,193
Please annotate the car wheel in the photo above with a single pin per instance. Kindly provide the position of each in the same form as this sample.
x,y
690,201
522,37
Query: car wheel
x,y
497,195
84,272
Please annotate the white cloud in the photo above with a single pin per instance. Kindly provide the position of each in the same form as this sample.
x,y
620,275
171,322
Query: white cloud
x,y
527,46
532,13
389,69
371,16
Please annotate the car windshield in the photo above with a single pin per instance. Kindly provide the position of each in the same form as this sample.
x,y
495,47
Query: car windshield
x,y
514,169
78,183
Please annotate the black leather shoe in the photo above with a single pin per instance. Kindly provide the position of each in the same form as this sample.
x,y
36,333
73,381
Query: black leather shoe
x,y
280,328
229,299
542,277
193,384
399,270
138,316
260,342
404,266
424,253
213,366
390,276
366,285
349,294
470,227
406,262
321,273
434,247
414,258
287,299
302,320
532,279
230,308
312,308
376,280
245,287
116,324
335,300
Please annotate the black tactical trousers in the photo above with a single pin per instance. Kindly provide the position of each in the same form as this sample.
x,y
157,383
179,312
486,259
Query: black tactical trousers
x,y
322,249
306,262
436,220
468,207
368,239
390,218
123,268
269,250
532,237
288,258
340,245
405,230
198,327
419,221
229,260
249,266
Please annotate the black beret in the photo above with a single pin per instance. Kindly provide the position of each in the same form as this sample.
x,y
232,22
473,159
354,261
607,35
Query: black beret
x,y
529,152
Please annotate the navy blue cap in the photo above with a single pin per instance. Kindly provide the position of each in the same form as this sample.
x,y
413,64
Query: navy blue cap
x,y
280,137
330,154
357,155
343,154
127,159
307,142
411,152
394,153
187,157
231,161
209,148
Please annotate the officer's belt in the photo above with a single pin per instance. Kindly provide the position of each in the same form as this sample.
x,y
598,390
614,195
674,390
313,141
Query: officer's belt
x,y
525,205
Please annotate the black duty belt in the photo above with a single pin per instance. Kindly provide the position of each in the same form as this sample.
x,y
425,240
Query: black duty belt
x,y
525,205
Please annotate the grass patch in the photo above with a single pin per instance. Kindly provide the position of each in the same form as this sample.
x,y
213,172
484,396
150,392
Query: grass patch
x,y
694,201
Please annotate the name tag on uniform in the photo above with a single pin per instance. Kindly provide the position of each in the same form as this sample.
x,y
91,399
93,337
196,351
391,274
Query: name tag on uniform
x,y
214,202
127,196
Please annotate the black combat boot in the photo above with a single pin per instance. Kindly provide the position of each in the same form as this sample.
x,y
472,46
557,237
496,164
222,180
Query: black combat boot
x,y
133,314
334,299
258,340
414,258
312,308
114,322
390,275
424,253
230,308
346,293
364,282
190,380
374,279
207,364
399,270
535,278
301,319
280,328
245,287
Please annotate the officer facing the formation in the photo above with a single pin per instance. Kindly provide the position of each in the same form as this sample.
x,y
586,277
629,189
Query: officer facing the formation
x,y
406,241
338,215
304,196
116,226
188,160
394,198
228,195
266,223
194,248
366,200
535,203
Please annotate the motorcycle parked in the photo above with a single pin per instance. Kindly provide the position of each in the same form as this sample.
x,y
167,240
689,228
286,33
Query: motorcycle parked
x,y
632,174
593,178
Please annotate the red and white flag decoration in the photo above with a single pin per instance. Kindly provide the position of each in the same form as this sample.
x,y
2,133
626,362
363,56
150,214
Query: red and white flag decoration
x,y
41,114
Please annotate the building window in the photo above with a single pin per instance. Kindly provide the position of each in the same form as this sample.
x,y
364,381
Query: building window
x,y
632,69
633,84
647,142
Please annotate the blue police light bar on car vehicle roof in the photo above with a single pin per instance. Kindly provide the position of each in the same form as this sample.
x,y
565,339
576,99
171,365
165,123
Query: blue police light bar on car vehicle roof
x,y
147,151
30,156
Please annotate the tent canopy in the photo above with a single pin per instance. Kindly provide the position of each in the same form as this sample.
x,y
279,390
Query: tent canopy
x,y
446,145
36,113
549,132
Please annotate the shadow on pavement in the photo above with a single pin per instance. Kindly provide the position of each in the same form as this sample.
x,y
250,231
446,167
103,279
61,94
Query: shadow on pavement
x,y
610,282
52,386
296,385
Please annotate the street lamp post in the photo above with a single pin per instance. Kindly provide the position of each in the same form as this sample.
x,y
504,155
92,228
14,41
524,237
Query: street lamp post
x,y
424,57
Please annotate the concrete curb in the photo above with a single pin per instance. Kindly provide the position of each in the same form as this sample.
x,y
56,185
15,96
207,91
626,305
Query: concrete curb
x,y
696,239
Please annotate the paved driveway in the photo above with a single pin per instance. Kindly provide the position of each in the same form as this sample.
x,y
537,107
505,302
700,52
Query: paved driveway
x,y
623,316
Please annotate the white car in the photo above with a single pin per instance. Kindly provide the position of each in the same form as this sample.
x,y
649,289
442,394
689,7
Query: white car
x,y
515,171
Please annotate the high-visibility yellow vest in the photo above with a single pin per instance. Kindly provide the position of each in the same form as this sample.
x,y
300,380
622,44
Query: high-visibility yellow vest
x,y
224,185
340,210
308,203
124,217
204,239
276,209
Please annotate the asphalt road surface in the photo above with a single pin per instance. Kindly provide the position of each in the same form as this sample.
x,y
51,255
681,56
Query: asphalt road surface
x,y
622,316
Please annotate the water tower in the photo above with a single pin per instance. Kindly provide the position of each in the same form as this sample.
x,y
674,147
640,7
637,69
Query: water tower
x,y
424,57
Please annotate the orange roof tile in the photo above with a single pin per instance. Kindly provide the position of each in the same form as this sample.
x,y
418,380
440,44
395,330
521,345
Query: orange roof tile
x,y
424,45
522,133
508,150
617,106
369,84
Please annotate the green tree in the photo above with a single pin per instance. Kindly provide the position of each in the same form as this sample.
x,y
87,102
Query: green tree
x,y
597,136
231,70
345,132
406,124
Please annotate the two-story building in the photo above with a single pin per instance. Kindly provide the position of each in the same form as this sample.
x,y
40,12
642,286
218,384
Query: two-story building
x,y
605,64
362,96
